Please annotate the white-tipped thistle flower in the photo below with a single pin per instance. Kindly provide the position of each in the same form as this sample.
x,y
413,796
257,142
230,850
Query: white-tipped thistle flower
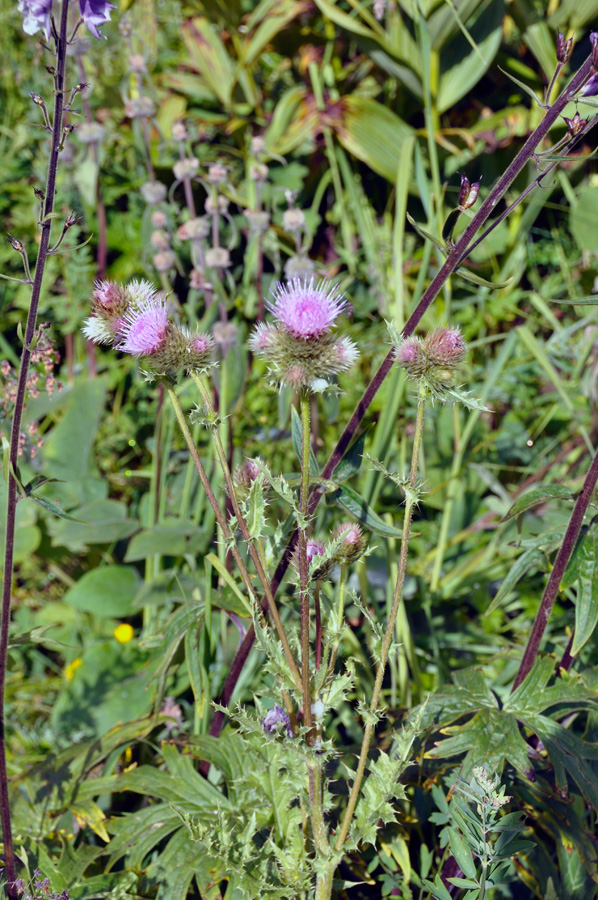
x,y
134,319
301,347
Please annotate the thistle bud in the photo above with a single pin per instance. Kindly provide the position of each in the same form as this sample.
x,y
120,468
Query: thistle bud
x,y
275,717
352,544
468,193
445,347
314,549
180,350
244,475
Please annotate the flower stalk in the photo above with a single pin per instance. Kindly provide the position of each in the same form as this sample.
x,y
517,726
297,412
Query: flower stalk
x,y
42,255
304,403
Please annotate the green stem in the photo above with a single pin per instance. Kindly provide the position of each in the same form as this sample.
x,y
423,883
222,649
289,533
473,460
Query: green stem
x,y
253,552
388,635
303,569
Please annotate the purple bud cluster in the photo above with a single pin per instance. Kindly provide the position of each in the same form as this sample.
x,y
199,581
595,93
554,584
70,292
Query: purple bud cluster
x,y
434,357
37,15
301,347
134,319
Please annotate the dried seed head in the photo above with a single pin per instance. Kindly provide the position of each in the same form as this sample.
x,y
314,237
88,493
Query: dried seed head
x,y
218,258
153,192
293,219
468,193
193,229
217,174
258,220
186,168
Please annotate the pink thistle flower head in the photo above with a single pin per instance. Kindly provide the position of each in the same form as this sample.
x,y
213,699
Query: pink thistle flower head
x,y
444,347
145,327
244,475
305,309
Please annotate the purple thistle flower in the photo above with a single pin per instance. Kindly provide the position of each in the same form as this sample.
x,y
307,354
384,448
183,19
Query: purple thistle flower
x,y
36,15
313,549
275,717
145,328
95,13
307,310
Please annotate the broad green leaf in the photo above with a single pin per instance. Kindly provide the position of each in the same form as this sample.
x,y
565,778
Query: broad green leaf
x,y
98,522
350,501
107,591
536,497
173,537
462,853
372,133
583,568
209,57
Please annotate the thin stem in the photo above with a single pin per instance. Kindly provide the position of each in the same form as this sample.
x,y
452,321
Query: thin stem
x,y
388,635
220,452
303,569
556,576
46,227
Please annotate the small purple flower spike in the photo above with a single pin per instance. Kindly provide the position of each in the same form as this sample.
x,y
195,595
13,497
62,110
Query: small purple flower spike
x,y
36,15
274,717
145,327
95,13
307,310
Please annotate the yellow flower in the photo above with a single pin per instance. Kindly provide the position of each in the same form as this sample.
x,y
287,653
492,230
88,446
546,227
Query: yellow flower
x,y
123,633
72,667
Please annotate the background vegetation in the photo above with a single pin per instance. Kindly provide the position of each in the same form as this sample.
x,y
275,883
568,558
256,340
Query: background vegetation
x,y
124,628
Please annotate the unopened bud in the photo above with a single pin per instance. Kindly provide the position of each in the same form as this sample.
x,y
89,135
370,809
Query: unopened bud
x,y
576,124
244,475
71,220
15,243
563,48
39,193
594,42
444,347
36,98
468,193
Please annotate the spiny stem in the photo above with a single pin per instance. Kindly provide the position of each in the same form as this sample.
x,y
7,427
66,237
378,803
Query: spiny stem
x,y
303,570
59,79
253,552
388,635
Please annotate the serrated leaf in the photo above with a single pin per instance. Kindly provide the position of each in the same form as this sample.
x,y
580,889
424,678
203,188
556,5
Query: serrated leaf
x,y
536,497
583,568
350,501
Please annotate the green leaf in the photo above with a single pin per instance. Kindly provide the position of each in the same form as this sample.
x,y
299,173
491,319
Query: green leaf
x,y
350,501
173,537
462,853
352,460
372,133
209,56
108,591
524,87
536,497
54,509
440,245
437,888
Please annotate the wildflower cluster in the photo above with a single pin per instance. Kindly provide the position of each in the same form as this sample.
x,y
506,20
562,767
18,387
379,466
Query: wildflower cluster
x,y
38,888
37,15
347,544
301,349
44,359
134,319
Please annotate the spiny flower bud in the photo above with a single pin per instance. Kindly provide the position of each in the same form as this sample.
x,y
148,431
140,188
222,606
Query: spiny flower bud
x,y
180,350
244,475
445,347
275,717
468,193
352,543
314,549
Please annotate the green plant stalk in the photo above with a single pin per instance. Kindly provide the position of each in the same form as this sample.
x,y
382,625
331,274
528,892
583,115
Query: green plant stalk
x,y
303,570
253,552
11,509
388,635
